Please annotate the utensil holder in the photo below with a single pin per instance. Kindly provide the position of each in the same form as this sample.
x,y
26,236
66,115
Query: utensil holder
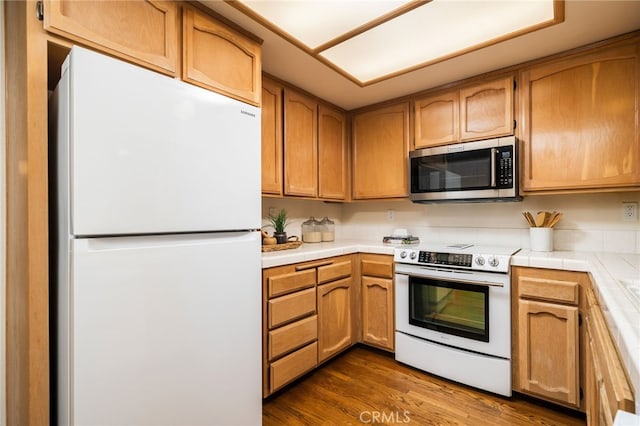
x,y
541,239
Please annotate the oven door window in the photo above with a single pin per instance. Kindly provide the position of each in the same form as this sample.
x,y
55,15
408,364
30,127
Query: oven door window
x,y
449,307
460,171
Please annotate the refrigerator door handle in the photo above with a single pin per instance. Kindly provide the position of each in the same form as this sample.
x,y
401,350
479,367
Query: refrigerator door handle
x,y
96,244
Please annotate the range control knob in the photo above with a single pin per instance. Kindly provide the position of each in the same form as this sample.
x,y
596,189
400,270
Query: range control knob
x,y
403,254
413,255
494,261
480,261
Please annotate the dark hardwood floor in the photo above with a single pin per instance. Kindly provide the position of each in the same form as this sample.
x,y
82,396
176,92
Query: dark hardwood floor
x,y
366,386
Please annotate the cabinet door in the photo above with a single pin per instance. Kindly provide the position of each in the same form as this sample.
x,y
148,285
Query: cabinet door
x,y
436,120
580,121
300,145
144,32
378,312
332,154
380,149
606,376
219,58
334,318
486,110
548,351
271,138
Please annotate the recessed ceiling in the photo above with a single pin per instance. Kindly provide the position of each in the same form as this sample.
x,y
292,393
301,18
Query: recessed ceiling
x,y
369,41
286,57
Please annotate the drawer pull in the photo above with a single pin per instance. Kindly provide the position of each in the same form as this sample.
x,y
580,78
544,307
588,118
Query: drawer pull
x,y
314,265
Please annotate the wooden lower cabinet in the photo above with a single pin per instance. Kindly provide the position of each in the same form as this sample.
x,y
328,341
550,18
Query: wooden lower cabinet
x,y
563,351
292,366
335,325
607,386
546,324
307,317
548,352
292,336
377,297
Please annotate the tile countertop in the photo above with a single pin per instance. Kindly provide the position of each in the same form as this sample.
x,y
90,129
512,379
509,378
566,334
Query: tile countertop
x,y
313,251
616,277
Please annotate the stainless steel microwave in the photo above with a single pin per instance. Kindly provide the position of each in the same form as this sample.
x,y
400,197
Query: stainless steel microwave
x,y
480,171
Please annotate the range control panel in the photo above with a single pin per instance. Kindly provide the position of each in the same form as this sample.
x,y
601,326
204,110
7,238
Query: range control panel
x,y
473,261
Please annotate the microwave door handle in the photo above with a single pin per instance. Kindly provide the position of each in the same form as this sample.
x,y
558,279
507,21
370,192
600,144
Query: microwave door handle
x,y
494,154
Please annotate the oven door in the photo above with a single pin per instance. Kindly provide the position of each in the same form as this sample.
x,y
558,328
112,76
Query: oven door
x,y
464,309
458,309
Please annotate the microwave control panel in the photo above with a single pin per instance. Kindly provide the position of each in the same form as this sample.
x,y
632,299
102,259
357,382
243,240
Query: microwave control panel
x,y
505,167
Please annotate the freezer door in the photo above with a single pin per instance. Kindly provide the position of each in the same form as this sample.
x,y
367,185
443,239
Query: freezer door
x,y
165,330
151,154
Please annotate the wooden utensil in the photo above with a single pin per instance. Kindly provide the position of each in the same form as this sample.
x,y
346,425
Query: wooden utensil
x,y
529,219
556,218
540,219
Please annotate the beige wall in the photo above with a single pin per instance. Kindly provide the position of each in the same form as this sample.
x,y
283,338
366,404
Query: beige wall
x,y
591,222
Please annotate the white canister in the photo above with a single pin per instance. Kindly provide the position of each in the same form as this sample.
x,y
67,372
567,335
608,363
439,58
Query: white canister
x,y
541,239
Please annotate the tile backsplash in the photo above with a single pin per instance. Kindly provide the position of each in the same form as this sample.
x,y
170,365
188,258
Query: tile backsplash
x,y
591,222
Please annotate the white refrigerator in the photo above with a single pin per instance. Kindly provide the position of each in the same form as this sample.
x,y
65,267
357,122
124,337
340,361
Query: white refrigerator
x,y
156,282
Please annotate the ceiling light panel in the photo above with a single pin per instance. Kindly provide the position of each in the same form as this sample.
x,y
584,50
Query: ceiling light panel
x,y
314,22
435,30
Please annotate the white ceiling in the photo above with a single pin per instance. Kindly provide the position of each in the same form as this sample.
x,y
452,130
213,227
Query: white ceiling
x,y
360,39
585,22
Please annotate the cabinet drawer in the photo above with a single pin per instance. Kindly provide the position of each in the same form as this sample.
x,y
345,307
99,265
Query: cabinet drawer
x,y
548,290
290,307
334,272
292,366
292,336
377,267
287,283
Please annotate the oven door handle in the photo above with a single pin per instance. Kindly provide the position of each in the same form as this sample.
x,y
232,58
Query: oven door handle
x,y
449,275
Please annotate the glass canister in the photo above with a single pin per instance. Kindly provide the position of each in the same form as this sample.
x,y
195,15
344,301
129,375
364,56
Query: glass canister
x,y
327,227
311,231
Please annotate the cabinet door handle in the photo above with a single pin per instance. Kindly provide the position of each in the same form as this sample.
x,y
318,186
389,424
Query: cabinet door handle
x,y
314,265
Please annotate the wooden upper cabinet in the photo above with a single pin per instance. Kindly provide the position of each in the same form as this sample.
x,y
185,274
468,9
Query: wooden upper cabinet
x,y
436,120
480,111
143,32
300,145
380,147
219,58
332,154
486,110
580,121
271,138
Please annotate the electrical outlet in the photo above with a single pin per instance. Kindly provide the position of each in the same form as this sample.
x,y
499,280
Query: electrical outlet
x,y
273,211
390,214
630,211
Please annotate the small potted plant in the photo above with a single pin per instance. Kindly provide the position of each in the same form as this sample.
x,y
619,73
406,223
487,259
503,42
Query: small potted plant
x,y
279,223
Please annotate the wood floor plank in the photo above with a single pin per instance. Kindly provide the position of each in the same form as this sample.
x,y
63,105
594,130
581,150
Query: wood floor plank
x,y
367,386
